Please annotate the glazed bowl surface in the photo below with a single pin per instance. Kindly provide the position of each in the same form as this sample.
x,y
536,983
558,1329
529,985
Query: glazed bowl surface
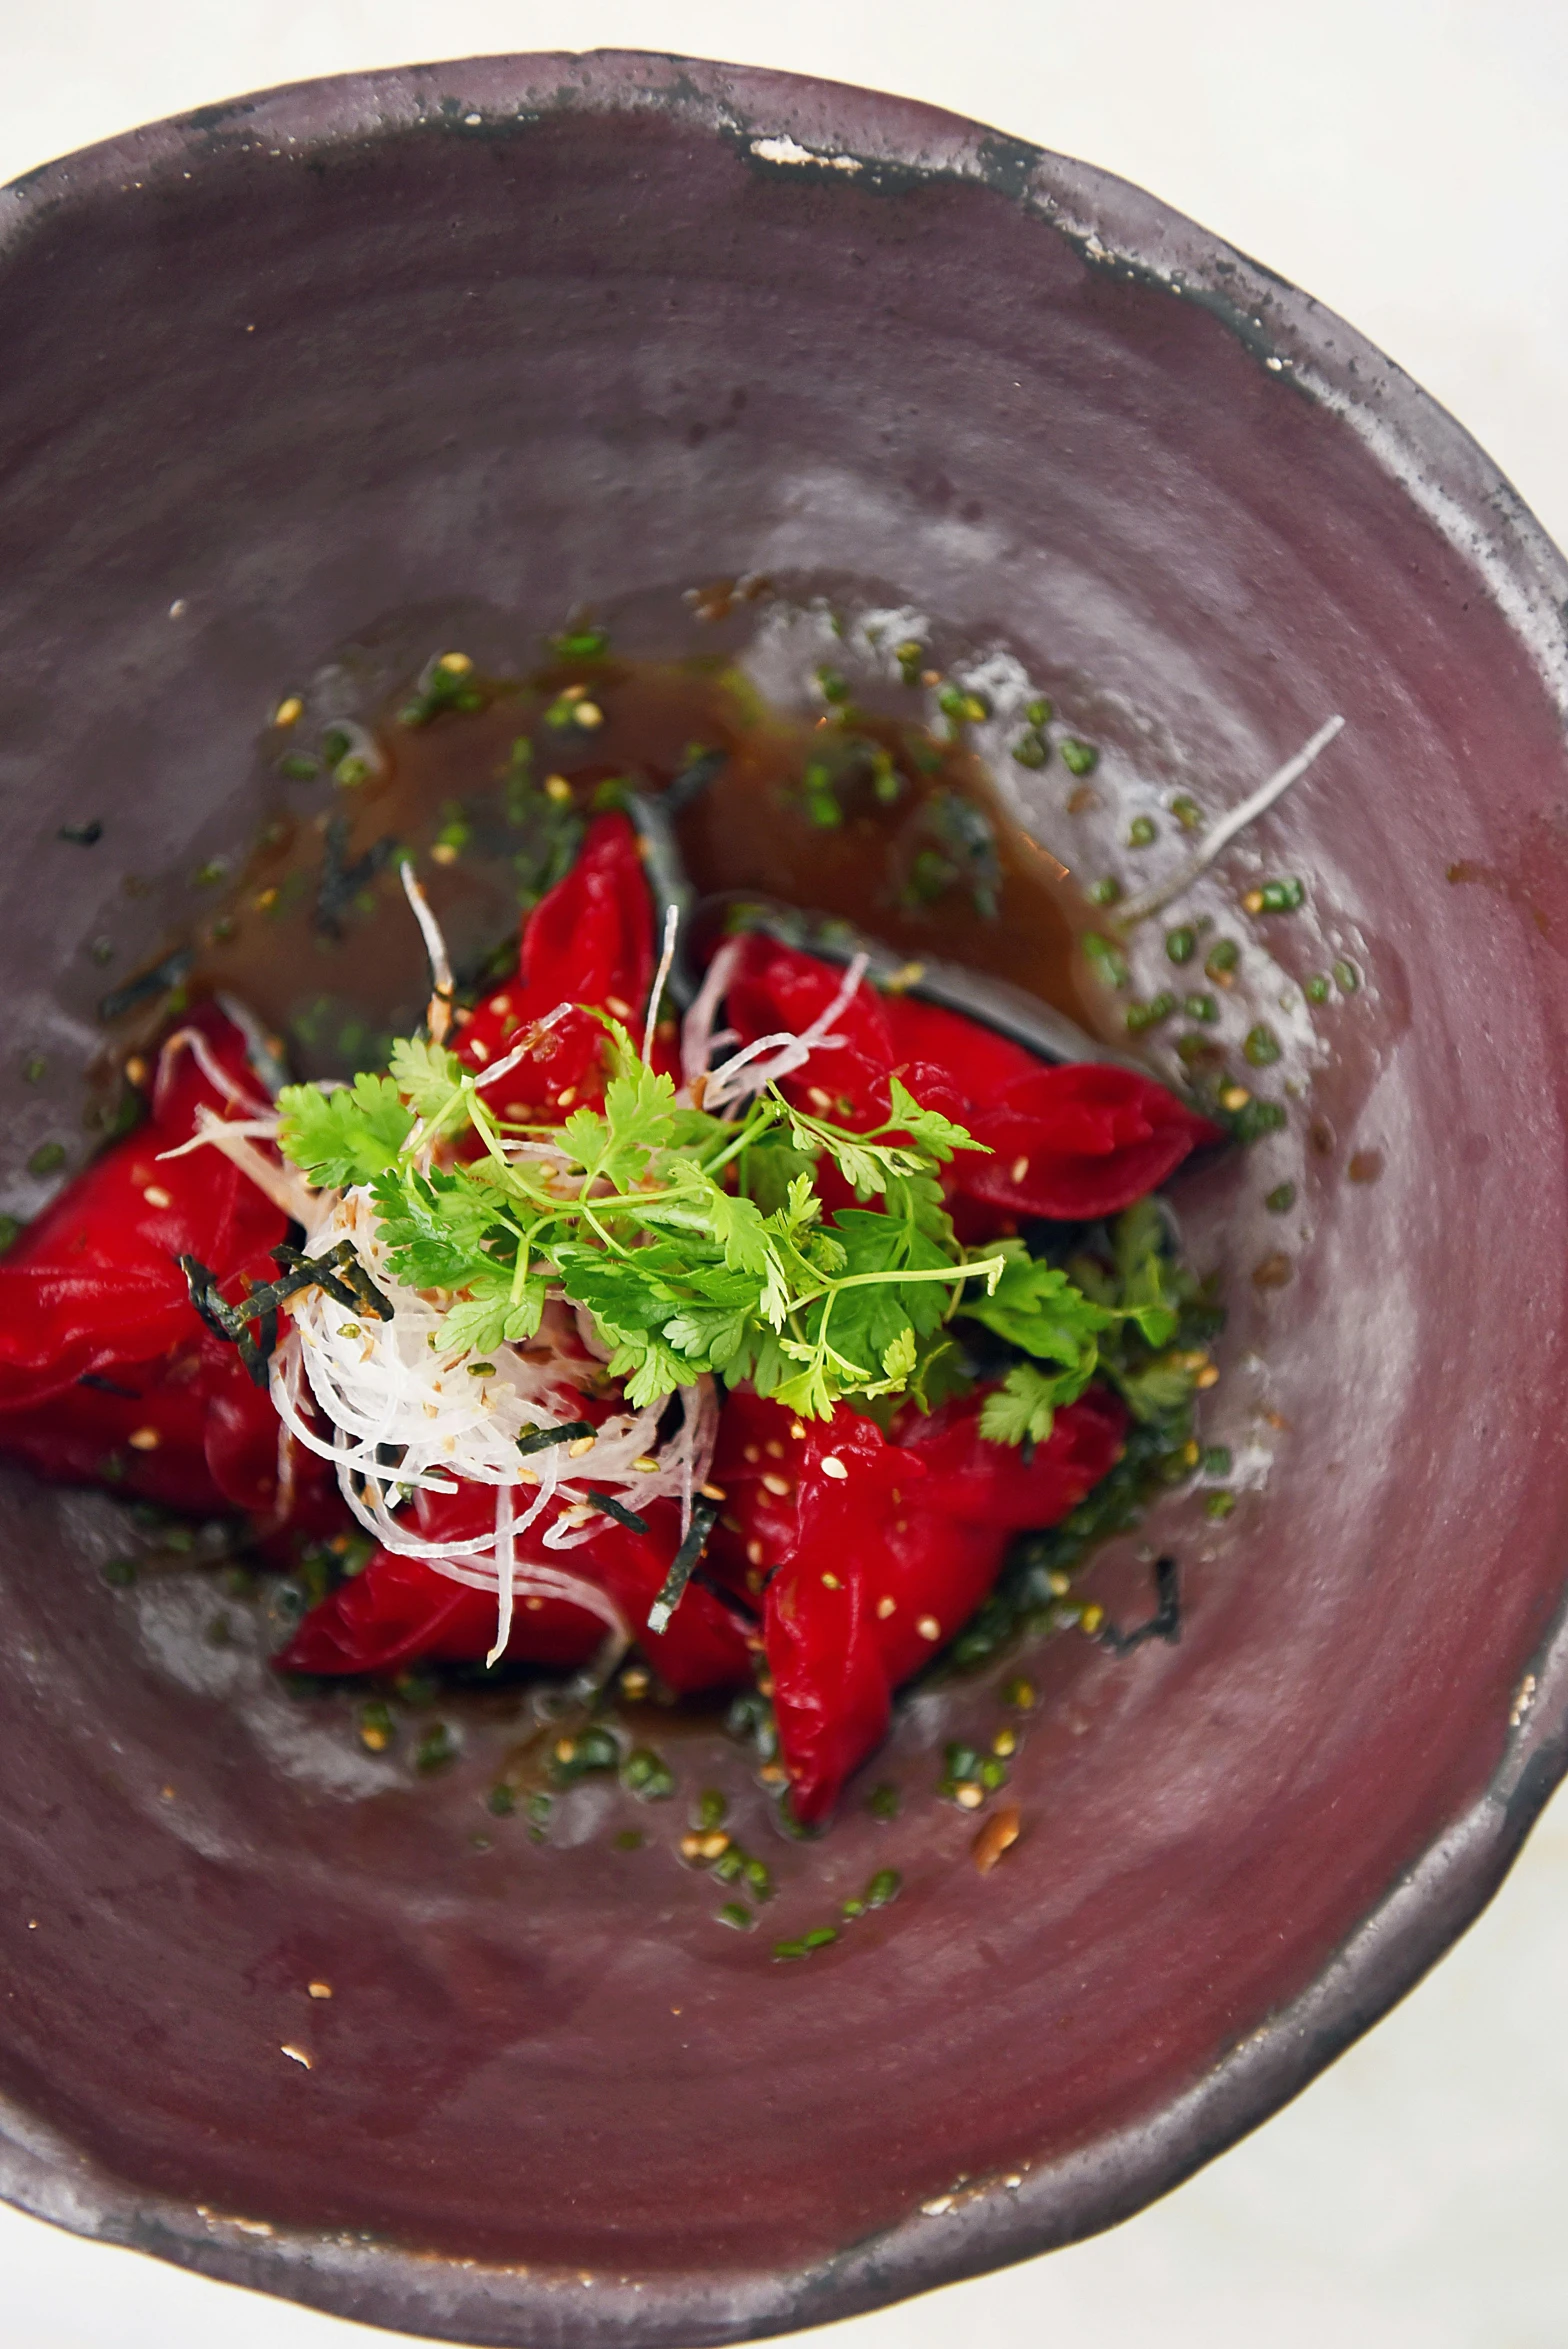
x,y
482,342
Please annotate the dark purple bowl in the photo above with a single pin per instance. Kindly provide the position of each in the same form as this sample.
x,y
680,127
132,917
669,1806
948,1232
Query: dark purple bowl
x,y
502,335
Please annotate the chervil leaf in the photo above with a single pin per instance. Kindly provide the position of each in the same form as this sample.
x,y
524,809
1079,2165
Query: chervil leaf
x,y
932,1131
430,1077
344,1137
1024,1407
1035,1306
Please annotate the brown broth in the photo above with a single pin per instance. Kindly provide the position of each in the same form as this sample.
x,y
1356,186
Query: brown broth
x,y
317,940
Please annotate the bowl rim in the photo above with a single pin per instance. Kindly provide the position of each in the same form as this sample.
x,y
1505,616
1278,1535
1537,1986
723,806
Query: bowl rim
x,y
784,123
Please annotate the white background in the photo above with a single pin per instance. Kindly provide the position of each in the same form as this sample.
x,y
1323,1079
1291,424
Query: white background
x,y
1407,162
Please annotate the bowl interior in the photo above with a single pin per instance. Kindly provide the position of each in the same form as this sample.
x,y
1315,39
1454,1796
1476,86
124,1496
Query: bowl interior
x,y
328,371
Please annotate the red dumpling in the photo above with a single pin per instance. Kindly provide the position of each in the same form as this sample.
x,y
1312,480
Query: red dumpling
x,y
868,1552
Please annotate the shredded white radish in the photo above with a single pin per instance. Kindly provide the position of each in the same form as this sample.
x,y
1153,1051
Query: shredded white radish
x,y
439,1016
697,1036
192,1040
236,1137
748,1072
672,923
1138,909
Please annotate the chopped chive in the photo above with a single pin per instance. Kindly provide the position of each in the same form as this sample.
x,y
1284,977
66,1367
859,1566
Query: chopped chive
x,y
883,1802
1201,1007
1181,944
1218,1504
1140,832
1150,1014
819,1937
1346,977
47,1159
735,1914
884,1886
911,659
1275,897
712,1809
1079,758
1216,1460
1222,958
1262,1046
1031,749
1106,891
500,1802
1317,989
1187,812
1108,961
1038,712
1281,1199
647,1775
85,835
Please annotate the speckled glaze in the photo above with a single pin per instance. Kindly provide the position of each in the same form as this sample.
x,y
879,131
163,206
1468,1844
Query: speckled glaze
x,y
527,330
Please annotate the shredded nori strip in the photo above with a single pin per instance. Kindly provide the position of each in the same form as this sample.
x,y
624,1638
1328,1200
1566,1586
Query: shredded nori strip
x,y
541,1438
1164,1623
693,780
341,882
618,1510
163,975
339,1273
704,1516
85,835
107,1386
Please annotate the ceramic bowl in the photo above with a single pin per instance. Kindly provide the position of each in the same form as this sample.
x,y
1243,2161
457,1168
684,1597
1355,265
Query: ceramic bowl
x,y
521,332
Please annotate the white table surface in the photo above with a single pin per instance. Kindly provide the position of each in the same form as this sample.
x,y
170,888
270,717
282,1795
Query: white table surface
x,y
1407,161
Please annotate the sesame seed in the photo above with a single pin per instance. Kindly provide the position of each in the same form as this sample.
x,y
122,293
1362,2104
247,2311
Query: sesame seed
x,y
796,1430
818,1098
1018,1169
579,1445
588,714
619,1010
1092,1618
1005,1742
773,1448
751,1452
999,1834
646,1465
1207,1377
296,2055
144,1439
481,1052
289,713
831,1582
833,1466
928,1627
156,1196
320,1989
714,1846
136,1070
969,1798
1234,1097
456,664
500,1005
566,1096
777,1485
754,1553
443,853
557,788
885,1608
712,1492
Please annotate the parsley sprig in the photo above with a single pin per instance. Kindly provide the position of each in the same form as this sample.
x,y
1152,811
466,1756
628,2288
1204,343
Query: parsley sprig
x,y
697,1244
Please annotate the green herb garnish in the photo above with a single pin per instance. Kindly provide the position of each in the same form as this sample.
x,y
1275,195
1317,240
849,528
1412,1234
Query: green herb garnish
x,y
696,1245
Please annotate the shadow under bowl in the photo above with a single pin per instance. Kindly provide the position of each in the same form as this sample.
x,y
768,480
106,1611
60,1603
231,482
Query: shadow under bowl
x,y
524,332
